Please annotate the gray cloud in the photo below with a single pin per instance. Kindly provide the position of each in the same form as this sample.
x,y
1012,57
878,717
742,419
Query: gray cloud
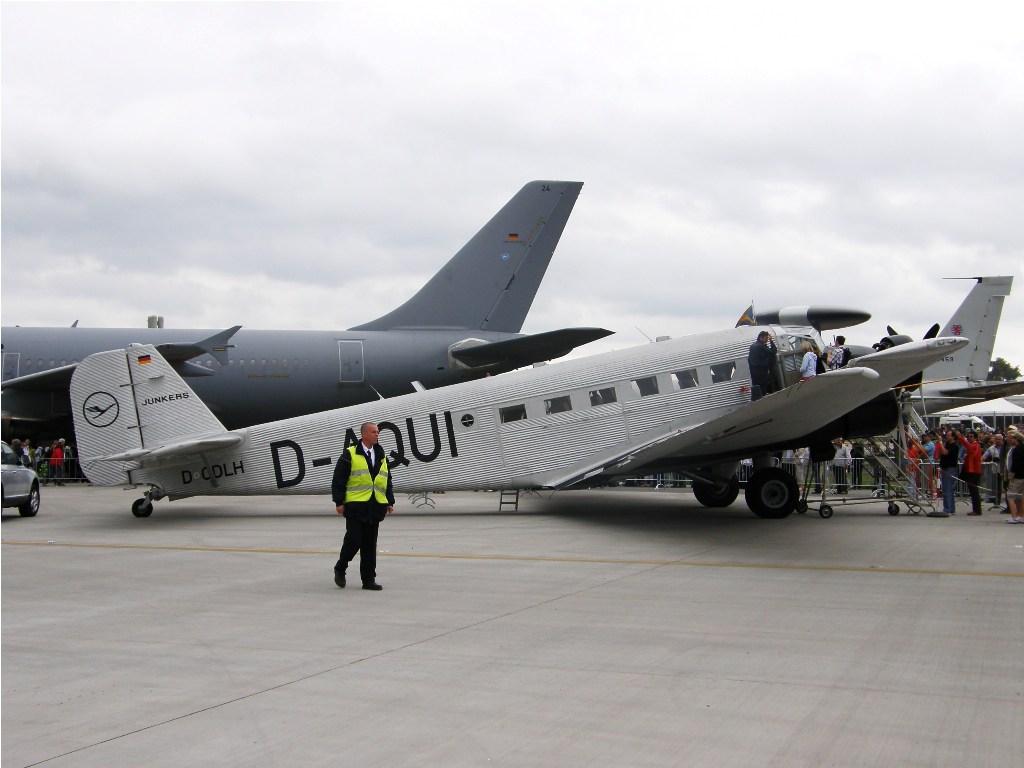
x,y
309,165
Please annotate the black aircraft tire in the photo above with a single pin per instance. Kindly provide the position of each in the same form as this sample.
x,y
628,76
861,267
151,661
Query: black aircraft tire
x,y
142,508
717,496
772,493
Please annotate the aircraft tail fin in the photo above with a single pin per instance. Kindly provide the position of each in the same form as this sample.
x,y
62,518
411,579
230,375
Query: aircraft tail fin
x,y
491,282
977,319
130,403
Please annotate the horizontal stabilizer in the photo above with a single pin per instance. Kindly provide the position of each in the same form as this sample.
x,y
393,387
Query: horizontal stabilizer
x,y
526,350
183,448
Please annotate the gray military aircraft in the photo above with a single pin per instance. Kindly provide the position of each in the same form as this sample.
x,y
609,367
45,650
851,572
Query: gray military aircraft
x,y
463,324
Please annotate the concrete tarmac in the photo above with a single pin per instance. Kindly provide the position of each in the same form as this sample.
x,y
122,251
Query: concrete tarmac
x,y
621,627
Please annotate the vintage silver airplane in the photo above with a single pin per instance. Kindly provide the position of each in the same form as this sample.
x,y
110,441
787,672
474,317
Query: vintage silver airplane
x,y
463,324
680,405
956,380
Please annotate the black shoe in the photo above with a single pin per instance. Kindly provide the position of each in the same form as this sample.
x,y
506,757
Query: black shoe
x,y
339,579
374,586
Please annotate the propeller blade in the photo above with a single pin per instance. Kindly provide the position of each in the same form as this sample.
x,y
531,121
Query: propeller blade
x,y
932,332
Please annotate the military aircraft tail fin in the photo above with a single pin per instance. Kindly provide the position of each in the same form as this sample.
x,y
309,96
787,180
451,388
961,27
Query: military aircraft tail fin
x,y
491,282
130,403
977,319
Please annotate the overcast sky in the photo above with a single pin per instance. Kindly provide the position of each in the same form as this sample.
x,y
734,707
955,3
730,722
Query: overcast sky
x,y
309,166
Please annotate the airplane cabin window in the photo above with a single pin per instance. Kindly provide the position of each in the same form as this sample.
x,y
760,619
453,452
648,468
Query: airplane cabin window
x,y
602,396
557,404
723,371
646,386
512,413
685,379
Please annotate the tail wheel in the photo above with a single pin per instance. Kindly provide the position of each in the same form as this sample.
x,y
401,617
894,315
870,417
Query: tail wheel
x,y
142,507
772,493
720,494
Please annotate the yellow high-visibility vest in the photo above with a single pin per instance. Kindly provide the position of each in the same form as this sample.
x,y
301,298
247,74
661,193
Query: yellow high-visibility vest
x,y
360,485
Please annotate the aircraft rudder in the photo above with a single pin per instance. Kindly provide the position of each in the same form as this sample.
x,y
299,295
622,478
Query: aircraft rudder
x,y
492,280
977,318
130,400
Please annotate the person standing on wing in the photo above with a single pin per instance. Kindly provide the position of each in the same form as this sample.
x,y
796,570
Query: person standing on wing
x,y
362,492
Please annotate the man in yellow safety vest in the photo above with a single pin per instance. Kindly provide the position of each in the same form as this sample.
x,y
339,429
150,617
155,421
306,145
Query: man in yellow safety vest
x,y
362,492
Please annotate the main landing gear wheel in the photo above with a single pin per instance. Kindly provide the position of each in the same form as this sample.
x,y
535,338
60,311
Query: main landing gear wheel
x,y
717,494
772,493
142,507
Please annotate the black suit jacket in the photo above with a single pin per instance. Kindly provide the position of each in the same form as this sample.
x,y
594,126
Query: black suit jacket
x,y
367,511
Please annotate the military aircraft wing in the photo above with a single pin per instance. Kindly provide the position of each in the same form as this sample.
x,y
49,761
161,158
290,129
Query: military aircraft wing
x,y
526,350
983,392
44,381
177,353
777,419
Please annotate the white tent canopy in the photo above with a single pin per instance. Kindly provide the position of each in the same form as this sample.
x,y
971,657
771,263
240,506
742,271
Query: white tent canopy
x,y
998,407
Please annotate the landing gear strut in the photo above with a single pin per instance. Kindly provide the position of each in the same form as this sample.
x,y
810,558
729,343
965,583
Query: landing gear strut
x,y
144,507
772,493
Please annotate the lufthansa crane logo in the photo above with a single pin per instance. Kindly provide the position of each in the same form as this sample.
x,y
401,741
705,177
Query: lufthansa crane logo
x,y
100,409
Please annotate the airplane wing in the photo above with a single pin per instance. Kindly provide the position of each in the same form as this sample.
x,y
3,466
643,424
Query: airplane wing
x,y
177,353
983,392
44,381
776,419
526,350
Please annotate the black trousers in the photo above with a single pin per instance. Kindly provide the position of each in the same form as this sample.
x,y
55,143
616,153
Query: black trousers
x,y
972,479
361,537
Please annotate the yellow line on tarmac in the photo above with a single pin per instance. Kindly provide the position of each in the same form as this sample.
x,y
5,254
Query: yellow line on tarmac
x,y
541,559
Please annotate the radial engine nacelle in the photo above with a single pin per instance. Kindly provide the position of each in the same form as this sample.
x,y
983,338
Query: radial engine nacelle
x,y
819,317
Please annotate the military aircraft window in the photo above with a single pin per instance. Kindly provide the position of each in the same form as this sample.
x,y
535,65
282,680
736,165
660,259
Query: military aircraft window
x,y
512,413
685,379
602,396
645,387
557,404
723,371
